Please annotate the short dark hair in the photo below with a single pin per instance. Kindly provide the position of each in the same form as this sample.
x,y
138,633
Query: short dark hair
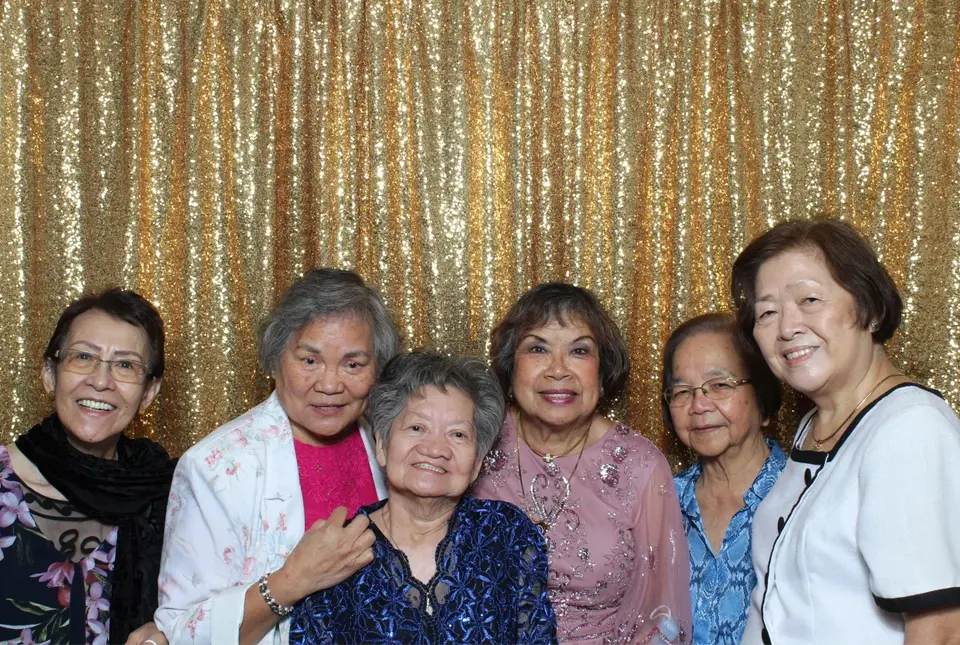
x,y
765,384
407,375
122,304
561,302
846,254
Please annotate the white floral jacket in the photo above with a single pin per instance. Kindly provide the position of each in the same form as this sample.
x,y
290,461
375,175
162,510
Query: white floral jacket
x,y
235,513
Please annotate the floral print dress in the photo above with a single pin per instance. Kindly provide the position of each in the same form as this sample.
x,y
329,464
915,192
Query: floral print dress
x,y
52,591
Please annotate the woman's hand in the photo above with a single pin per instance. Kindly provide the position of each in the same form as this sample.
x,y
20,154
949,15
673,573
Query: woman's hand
x,y
326,555
147,634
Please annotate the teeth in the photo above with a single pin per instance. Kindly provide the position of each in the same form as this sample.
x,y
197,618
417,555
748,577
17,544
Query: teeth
x,y
800,352
429,467
96,405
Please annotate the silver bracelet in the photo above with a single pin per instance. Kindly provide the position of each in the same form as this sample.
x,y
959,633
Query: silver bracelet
x,y
268,598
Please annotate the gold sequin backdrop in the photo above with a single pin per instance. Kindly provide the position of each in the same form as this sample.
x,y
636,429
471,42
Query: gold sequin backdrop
x,y
457,153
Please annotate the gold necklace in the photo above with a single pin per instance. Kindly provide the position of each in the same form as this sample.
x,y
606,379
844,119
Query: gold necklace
x,y
544,518
818,443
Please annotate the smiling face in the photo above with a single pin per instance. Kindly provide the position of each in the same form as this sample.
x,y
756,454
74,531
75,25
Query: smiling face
x,y
806,325
432,450
95,408
556,378
708,427
324,376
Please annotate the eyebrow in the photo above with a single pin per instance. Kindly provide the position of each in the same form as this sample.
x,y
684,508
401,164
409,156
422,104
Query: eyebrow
x,y
316,350
575,340
97,348
711,373
798,283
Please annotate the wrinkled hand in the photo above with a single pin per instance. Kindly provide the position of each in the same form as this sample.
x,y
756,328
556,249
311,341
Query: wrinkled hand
x,y
147,634
326,555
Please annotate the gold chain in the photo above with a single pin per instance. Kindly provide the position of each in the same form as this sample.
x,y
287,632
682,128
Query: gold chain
x,y
818,443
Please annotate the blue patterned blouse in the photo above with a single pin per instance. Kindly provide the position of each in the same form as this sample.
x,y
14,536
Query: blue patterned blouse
x,y
720,584
490,587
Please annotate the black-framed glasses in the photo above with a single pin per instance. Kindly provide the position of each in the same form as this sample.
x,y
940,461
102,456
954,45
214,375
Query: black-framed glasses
x,y
80,361
716,389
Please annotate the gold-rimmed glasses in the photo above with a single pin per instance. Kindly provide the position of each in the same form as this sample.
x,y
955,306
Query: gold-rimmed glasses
x,y
715,389
80,361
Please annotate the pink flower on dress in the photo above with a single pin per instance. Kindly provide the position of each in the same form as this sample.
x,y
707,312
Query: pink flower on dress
x,y
227,559
266,526
213,458
6,542
26,638
100,629
13,508
58,574
192,625
272,431
232,470
282,523
241,440
96,602
248,566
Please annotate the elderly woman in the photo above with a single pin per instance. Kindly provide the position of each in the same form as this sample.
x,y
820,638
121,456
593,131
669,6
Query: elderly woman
x,y
602,494
446,569
718,394
859,540
257,509
81,504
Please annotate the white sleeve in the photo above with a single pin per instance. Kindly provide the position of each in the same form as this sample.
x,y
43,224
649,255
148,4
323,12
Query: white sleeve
x,y
204,555
908,528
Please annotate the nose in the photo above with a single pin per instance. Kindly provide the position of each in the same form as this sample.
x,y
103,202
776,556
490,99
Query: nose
x,y
701,403
790,324
101,378
435,447
557,369
328,381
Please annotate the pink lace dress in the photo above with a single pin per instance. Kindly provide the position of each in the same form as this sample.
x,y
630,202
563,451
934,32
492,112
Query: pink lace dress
x,y
332,476
619,565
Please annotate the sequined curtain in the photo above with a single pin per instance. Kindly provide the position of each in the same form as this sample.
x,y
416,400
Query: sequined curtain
x,y
456,153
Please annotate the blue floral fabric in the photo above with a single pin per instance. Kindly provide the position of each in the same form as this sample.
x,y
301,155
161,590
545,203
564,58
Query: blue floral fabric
x,y
490,587
721,584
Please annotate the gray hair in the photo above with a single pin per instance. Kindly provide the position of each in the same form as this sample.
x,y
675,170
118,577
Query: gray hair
x,y
406,376
323,293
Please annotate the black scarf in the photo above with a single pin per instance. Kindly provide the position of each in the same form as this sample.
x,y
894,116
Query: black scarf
x,y
129,492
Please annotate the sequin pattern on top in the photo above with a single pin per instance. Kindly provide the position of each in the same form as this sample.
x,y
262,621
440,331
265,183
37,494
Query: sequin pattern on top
x,y
618,556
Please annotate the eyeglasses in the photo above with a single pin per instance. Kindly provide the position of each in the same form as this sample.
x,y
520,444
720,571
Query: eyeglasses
x,y
123,370
716,389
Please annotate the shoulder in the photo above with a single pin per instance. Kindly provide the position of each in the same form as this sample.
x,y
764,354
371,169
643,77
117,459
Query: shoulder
x,y
246,441
912,413
253,432
686,480
495,516
635,446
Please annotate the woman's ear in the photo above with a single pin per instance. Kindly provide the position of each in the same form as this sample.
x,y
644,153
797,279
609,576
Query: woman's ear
x,y
150,392
48,375
381,452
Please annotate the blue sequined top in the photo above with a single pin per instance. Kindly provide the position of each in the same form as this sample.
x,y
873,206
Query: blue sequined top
x,y
490,587
721,584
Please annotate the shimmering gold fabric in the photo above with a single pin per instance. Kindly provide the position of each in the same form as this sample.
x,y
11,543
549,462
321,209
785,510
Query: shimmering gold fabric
x,y
457,153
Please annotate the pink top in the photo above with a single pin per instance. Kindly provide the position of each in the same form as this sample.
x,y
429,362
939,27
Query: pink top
x,y
619,566
332,476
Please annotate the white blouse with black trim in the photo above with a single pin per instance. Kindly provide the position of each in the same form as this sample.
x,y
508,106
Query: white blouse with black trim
x,y
848,541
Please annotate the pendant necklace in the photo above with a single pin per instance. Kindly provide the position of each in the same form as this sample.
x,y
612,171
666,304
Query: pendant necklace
x,y
546,518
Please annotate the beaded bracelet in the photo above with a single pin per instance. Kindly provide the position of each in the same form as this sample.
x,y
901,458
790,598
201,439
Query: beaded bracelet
x,y
268,598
